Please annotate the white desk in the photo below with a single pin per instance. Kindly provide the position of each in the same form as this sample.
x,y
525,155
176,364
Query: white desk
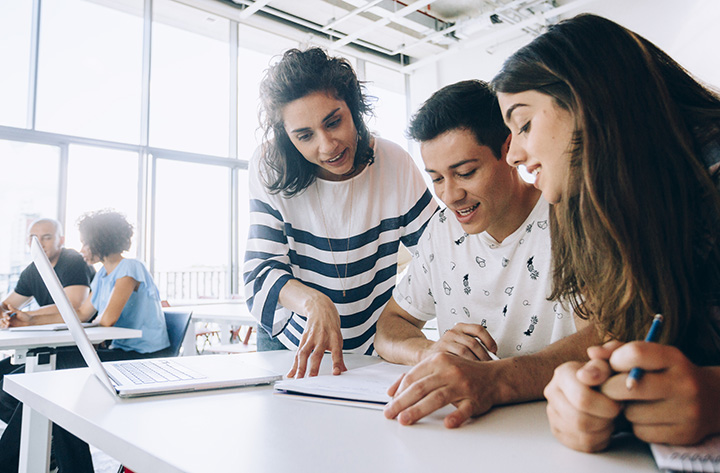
x,y
226,314
251,429
23,341
36,428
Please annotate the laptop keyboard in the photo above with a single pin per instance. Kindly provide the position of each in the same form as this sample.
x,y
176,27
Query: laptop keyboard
x,y
153,371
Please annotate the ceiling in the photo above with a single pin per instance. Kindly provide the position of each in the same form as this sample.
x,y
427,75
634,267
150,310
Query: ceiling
x,y
410,32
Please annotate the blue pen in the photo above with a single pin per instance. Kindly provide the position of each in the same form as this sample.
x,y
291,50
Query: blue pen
x,y
652,336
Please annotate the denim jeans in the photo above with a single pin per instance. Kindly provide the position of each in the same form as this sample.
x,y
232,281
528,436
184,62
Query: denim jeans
x,y
267,343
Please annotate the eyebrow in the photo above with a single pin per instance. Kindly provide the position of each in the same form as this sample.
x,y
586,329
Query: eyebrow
x,y
512,109
327,117
456,165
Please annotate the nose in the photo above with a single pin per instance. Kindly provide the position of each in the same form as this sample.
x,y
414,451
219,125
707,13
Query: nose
x,y
452,192
516,154
327,142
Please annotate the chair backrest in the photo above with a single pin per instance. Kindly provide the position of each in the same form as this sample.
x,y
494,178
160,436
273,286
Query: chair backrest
x,y
177,322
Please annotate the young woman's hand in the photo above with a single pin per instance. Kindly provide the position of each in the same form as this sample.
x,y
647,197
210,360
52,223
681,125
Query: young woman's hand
x,y
580,416
675,401
322,332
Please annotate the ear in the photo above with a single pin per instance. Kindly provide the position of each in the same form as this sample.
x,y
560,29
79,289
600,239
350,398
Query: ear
x,y
505,147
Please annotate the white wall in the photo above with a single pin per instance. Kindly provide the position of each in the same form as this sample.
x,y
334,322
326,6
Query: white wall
x,y
686,29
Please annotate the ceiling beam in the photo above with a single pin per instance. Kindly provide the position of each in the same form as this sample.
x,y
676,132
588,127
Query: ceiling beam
x,y
499,34
351,14
380,23
257,5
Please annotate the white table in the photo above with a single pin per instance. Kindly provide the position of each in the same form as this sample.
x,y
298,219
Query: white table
x,y
22,341
226,314
41,345
252,429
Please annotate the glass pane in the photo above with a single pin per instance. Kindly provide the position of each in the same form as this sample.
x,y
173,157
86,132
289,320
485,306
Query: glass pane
x,y
390,119
30,194
251,67
189,94
192,227
243,216
16,28
90,68
100,178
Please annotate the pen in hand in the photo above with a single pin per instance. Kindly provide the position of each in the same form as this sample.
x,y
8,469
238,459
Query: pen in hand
x,y
652,336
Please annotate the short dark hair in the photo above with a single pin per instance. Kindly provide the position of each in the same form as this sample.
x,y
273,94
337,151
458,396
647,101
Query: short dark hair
x,y
470,105
105,232
297,74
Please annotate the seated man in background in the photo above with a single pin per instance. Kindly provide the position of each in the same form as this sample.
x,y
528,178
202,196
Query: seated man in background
x,y
482,267
75,276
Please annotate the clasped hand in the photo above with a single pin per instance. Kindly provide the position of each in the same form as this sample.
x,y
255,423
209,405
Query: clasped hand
x,y
675,402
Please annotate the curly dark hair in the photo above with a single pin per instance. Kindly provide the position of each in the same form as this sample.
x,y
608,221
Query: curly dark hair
x,y
296,75
105,232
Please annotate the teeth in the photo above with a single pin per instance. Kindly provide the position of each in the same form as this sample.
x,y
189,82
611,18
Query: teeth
x,y
535,171
468,210
335,158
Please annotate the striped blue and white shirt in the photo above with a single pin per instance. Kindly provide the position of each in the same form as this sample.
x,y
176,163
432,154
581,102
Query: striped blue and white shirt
x,y
330,228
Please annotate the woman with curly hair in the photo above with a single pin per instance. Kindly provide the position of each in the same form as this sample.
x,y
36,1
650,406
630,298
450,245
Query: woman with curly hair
x,y
123,293
329,206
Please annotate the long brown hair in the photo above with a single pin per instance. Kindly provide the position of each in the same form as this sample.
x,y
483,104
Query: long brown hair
x,y
636,232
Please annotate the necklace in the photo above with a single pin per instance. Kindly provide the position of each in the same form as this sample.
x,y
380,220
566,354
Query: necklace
x,y
327,235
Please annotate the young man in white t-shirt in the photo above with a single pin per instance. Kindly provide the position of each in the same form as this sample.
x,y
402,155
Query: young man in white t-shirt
x,y
482,268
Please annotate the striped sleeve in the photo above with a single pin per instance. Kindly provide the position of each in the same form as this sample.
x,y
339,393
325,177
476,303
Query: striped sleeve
x,y
267,263
417,218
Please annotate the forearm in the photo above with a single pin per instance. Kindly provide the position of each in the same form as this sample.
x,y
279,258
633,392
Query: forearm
x,y
399,341
523,378
49,315
300,298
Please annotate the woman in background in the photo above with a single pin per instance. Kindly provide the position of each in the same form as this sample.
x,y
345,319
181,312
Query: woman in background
x,y
329,206
624,142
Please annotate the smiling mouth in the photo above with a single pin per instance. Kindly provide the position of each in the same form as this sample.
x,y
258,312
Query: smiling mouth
x,y
336,158
468,210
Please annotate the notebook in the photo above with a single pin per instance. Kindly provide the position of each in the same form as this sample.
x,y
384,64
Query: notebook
x,y
147,376
703,457
360,387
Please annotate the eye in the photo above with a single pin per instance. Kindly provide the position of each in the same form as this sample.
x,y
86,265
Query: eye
x,y
467,174
304,137
334,123
524,129
437,180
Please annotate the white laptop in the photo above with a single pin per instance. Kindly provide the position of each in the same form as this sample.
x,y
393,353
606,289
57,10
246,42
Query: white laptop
x,y
151,376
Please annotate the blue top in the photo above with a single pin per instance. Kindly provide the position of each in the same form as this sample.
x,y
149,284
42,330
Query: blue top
x,y
141,312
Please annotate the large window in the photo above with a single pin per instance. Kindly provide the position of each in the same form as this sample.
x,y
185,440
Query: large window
x,y
388,87
192,219
29,191
15,28
190,80
89,69
100,178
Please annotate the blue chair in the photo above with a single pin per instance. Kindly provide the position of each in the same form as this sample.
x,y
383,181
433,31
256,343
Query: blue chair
x,y
177,323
